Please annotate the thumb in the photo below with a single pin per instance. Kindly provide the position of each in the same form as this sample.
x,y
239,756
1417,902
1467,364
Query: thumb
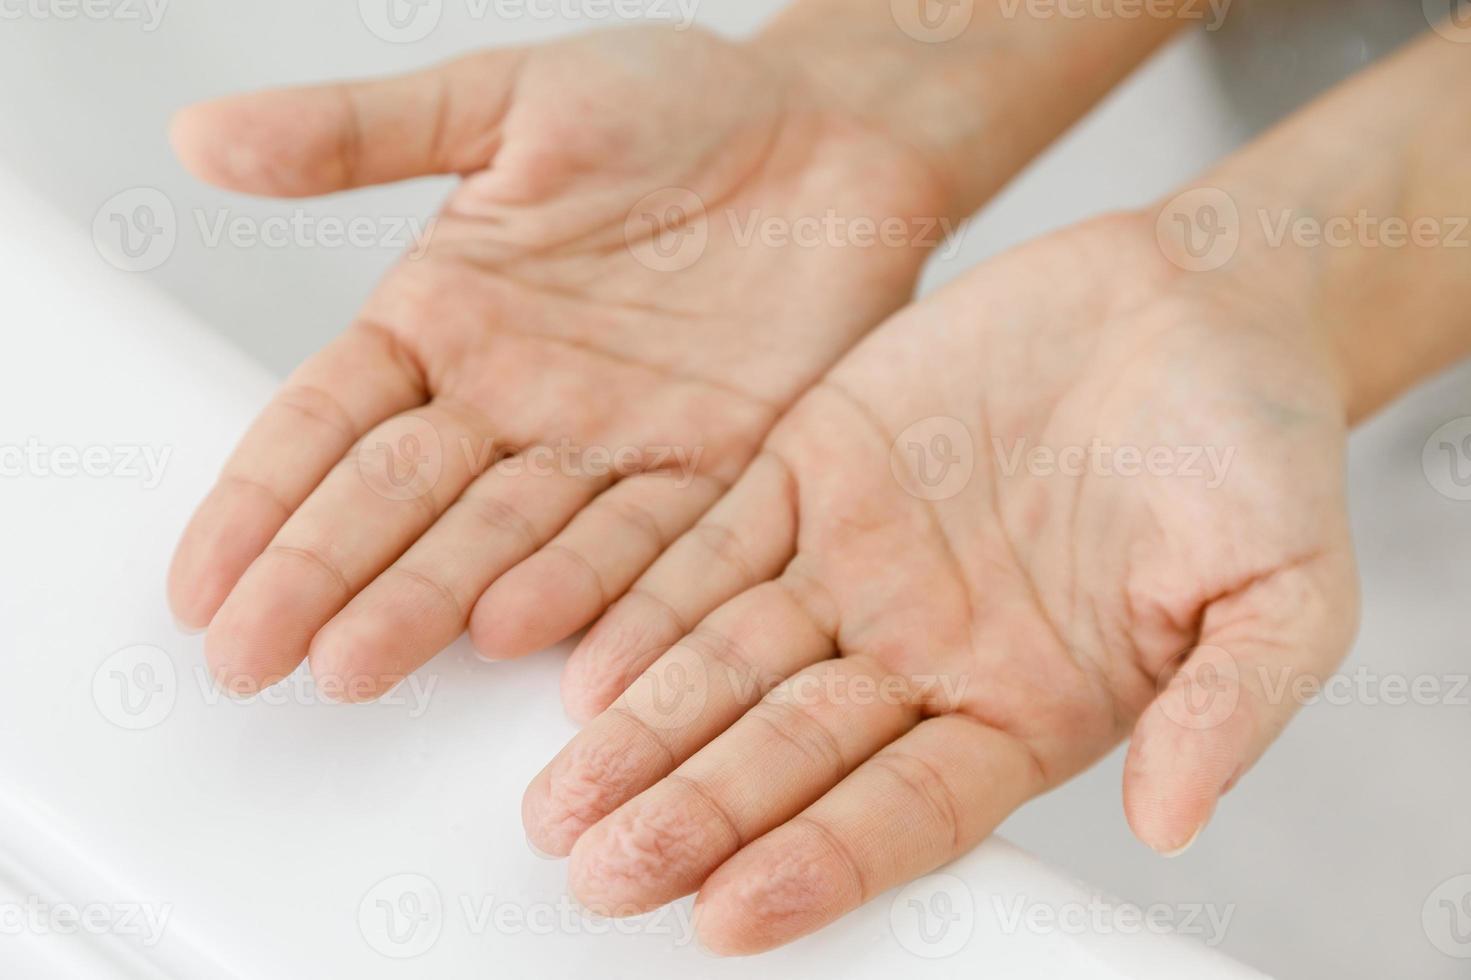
x,y
318,139
1233,695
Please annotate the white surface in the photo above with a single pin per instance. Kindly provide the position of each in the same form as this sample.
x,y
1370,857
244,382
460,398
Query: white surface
x,y
1328,852
263,836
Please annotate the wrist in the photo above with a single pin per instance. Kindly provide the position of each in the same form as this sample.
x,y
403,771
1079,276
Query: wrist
x,y
977,98
1348,218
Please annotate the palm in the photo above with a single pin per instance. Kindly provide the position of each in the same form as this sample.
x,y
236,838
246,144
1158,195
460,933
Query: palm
x,y
599,245
1131,468
1027,615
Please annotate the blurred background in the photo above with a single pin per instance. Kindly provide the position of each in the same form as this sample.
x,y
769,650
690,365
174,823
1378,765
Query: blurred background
x,y
1332,850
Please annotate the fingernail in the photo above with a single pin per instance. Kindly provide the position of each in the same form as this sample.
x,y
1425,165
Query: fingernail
x,y
186,629
1185,846
539,852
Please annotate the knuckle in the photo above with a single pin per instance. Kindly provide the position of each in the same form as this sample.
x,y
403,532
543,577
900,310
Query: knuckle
x,y
645,844
807,734
639,520
794,880
315,556
722,653
636,630
597,776
725,546
925,785
501,517
314,404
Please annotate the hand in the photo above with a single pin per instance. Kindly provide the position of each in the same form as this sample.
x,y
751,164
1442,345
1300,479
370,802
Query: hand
x,y
573,300
1078,493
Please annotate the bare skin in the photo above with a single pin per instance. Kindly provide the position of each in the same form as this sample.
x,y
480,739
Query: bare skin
x,y
549,307
1020,622
920,623
598,302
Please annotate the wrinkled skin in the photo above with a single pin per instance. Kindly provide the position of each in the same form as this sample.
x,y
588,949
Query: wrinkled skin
x,y
938,646
364,516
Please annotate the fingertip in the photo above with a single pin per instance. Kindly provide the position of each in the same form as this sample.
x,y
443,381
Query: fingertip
x,y
235,676
525,611
728,923
584,881
191,606
1173,779
200,136
535,807
492,630
193,597
1177,851
714,938
336,657
581,702
267,143
222,539
554,823
257,638
1166,826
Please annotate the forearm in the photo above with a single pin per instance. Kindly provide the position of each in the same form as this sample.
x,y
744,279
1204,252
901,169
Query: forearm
x,y
982,103
1361,205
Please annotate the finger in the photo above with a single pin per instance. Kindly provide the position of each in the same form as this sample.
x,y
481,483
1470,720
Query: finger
x,y
796,744
930,796
1233,695
374,503
693,693
747,538
318,139
421,603
360,379
567,584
